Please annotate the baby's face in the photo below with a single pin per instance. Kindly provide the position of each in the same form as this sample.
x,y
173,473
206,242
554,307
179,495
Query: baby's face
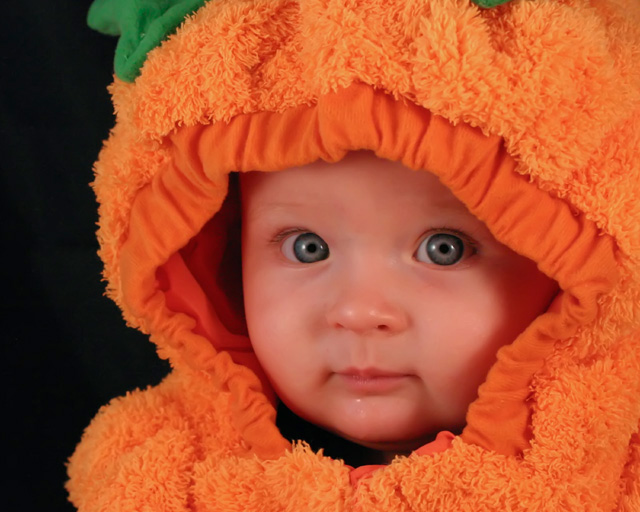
x,y
374,300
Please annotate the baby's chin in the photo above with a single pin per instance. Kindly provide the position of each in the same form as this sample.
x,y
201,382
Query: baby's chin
x,y
398,423
399,434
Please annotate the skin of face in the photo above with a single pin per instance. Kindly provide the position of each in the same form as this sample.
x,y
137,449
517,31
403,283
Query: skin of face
x,y
372,337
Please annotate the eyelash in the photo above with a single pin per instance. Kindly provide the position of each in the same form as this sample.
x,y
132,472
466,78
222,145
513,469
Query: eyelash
x,y
278,238
469,242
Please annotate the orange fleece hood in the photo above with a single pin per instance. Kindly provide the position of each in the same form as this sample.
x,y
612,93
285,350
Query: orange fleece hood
x,y
528,112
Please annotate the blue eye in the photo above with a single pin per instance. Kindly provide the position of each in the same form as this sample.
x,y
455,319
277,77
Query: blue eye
x,y
305,248
441,249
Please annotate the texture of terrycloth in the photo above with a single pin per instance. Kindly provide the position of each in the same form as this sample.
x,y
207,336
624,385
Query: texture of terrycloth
x,y
528,112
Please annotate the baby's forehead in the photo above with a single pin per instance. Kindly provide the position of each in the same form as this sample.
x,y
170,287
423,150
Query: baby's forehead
x,y
358,174
360,182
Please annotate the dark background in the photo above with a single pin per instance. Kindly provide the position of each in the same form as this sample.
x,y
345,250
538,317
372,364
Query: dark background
x,y
66,349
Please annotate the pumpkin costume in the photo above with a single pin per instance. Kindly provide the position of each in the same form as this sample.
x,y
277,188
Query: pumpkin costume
x,y
528,111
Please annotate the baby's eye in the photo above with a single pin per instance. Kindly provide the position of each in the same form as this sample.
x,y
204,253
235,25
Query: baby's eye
x,y
305,248
442,249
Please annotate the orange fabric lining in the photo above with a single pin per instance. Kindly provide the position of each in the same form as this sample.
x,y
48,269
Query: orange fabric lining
x,y
181,199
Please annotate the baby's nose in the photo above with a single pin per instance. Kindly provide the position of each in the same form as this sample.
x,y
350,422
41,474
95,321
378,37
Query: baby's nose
x,y
367,311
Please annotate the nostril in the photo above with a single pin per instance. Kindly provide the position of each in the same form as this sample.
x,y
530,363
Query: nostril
x,y
383,327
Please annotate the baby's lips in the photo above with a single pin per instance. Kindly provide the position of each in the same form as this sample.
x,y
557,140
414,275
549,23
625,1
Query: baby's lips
x,y
372,380
370,372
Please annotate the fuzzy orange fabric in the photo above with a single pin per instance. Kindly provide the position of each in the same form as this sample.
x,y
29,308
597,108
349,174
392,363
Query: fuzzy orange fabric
x,y
529,113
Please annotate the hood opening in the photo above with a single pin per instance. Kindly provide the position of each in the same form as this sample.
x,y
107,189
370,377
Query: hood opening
x,y
181,266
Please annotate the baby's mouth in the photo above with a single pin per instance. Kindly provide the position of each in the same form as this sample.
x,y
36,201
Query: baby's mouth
x,y
371,380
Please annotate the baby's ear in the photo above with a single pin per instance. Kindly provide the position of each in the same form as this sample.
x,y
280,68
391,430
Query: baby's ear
x,y
487,4
141,24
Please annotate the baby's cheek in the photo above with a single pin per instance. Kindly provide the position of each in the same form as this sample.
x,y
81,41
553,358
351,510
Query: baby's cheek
x,y
266,302
278,338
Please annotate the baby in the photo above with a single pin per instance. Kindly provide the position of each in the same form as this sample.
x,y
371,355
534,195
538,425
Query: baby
x,y
433,256
374,300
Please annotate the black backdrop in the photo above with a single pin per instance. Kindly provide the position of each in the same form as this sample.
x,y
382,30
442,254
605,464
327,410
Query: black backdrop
x,y
66,350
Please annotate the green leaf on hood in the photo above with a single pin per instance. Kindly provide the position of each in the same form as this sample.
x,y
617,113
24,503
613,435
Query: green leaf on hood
x,y
487,4
141,24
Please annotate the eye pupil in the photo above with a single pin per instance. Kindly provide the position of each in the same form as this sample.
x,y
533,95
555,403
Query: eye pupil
x,y
444,248
312,248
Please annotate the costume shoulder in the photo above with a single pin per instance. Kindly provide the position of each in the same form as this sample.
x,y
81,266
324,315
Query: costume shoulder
x,y
160,428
